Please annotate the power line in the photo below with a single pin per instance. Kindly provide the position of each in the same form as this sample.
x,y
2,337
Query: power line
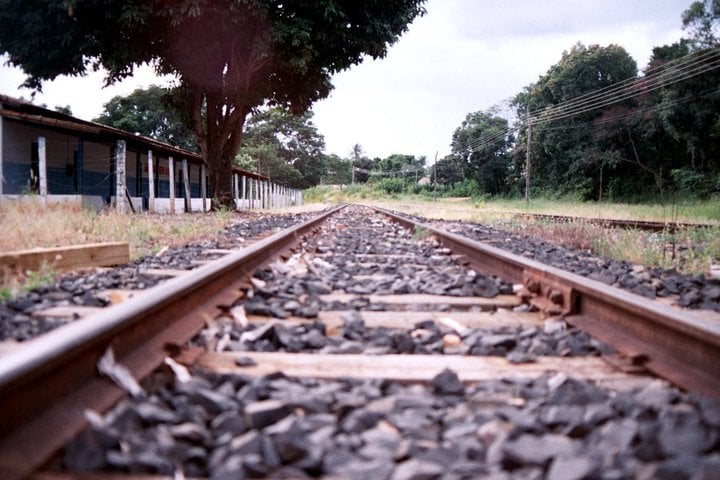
x,y
668,74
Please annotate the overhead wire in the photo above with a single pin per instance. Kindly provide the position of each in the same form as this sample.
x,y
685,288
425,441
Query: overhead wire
x,y
667,74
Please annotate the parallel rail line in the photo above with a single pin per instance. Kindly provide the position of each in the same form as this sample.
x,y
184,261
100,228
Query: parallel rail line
x,y
649,225
47,385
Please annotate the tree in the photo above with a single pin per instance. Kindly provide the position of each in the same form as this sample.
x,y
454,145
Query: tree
x,y
702,20
149,112
447,171
356,153
565,155
230,56
281,142
481,146
337,170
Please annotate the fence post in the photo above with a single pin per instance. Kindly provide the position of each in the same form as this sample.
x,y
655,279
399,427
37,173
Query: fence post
x,y
151,181
203,187
186,185
171,181
236,181
120,205
42,169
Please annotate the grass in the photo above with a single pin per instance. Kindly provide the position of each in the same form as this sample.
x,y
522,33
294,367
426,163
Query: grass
x,y
29,225
687,250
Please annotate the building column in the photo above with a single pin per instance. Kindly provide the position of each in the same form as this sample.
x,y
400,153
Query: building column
x,y
42,169
203,187
243,183
151,181
236,183
186,184
138,174
120,205
171,180
2,177
80,165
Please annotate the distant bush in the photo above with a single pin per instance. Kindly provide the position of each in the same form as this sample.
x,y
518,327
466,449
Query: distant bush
x,y
389,185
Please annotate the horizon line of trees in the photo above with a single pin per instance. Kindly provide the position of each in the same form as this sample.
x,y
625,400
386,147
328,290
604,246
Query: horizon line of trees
x,y
598,130
595,129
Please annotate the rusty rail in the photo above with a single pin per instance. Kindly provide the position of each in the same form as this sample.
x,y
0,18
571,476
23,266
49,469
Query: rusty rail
x,y
649,225
35,422
674,344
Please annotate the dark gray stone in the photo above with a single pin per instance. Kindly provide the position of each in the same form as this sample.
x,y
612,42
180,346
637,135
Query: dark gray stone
x,y
683,433
231,469
572,468
288,439
447,382
415,469
530,449
152,413
263,413
359,420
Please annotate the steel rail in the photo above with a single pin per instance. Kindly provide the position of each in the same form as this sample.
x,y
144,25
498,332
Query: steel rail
x,y
649,225
47,385
674,344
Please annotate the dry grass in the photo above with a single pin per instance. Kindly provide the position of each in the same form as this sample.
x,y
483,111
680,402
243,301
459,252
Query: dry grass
x,y
30,225
687,250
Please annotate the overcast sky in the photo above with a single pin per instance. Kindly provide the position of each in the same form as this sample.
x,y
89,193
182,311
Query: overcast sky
x,y
463,56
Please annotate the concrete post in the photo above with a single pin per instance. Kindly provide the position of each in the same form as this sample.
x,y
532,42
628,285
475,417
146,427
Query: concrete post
x,y
2,177
42,169
120,204
171,180
151,181
203,187
244,190
186,185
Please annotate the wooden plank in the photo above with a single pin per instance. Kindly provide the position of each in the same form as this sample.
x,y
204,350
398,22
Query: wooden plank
x,y
500,318
417,368
164,272
66,311
101,476
501,301
79,256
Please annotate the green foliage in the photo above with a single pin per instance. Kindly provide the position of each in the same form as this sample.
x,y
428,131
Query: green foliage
x,y
389,185
230,56
702,21
337,170
284,146
481,149
149,112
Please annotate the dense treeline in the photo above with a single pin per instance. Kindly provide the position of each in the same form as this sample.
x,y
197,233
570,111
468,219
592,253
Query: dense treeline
x,y
597,129
593,126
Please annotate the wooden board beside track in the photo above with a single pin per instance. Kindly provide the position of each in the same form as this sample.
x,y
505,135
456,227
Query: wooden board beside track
x,y
62,258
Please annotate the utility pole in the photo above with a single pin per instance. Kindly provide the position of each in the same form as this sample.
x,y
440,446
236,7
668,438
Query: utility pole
x,y
435,182
527,157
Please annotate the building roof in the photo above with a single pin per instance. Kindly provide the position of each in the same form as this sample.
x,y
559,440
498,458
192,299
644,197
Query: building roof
x,y
22,110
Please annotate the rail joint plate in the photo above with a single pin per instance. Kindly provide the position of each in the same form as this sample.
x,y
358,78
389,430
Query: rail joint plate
x,y
548,295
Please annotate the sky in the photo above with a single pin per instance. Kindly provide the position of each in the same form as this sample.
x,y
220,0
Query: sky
x,y
463,56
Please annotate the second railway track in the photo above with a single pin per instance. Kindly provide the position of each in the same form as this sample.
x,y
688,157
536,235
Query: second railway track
x,y
370,350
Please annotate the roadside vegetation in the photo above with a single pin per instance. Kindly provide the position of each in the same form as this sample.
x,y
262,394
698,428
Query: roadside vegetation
x,y
30,225
691,250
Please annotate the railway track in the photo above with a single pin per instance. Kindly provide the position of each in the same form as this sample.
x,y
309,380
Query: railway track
x,y
404,352
649,225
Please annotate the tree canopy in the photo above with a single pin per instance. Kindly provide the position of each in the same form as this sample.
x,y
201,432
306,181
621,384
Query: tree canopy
x,y
149,112
284,146
230,56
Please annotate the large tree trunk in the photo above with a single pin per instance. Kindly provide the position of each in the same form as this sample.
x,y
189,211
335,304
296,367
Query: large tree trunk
x,y
219,136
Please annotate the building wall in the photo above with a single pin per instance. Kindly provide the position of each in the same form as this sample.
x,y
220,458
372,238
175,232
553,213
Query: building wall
x,y
78,166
